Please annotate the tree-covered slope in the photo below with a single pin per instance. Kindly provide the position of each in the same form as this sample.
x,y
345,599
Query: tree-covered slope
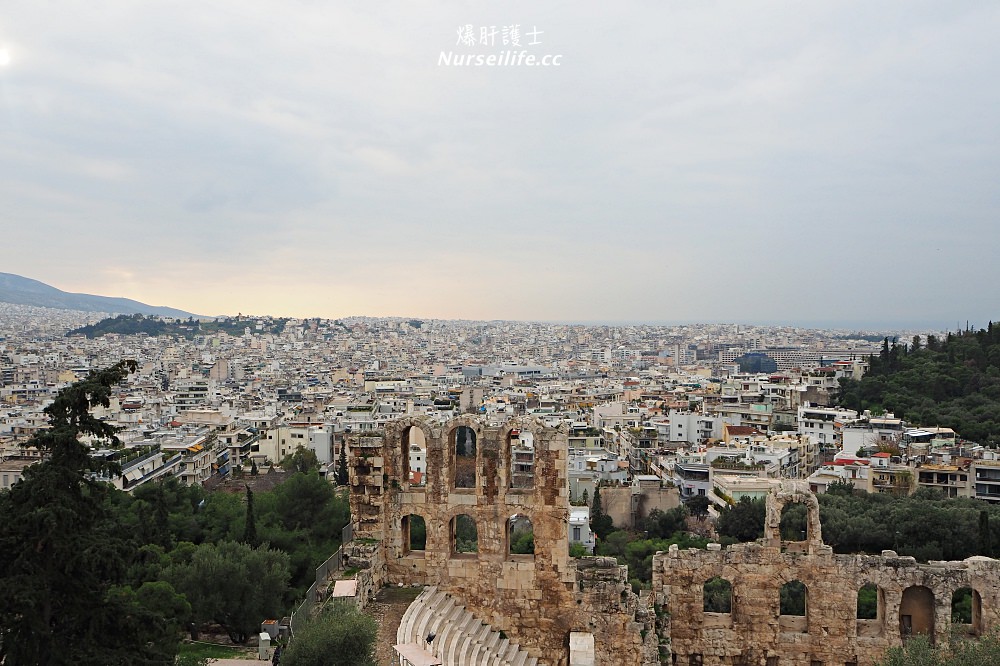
x,y
926,525
180,328
953,383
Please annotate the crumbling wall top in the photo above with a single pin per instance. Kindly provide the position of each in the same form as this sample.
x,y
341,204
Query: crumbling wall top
x,y
791,492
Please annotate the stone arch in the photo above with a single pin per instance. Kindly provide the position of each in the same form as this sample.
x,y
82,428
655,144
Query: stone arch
x,y
520,439
414,465
792,492
520,530
464,441
717,595
463,535
916,612
794,599
793,607
404,437
410,525
870,602
794,523
870,610
967,610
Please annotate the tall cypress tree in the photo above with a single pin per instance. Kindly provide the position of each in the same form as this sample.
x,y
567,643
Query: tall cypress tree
x,y
600,522
342,476
62,557
250,528
985,542
161,521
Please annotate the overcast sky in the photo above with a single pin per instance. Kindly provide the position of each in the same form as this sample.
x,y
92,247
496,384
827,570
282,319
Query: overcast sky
x,y
684,161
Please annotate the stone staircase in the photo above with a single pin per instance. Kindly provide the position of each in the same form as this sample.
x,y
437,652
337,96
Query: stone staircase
x,y
460,639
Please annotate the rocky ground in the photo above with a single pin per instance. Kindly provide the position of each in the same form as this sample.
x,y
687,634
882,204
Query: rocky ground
x,y
388,609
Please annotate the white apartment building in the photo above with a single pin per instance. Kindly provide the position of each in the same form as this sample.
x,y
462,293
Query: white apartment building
x,y
579,527
694,427
824,425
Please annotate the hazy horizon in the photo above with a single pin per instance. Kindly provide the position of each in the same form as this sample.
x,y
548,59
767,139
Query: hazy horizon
x,y
928,325
771,162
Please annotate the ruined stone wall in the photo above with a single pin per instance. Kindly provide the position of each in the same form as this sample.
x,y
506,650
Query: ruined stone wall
x,y
912,598
535,599
369,559
539,600
623,506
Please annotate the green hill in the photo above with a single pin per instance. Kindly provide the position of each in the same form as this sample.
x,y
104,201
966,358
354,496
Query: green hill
x,y
952,383
178,328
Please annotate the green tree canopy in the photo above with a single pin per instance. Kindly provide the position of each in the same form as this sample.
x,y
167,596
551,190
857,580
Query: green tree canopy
x,y
301,460
338,636
233,585
953,383
743,521
917,651
698,505
662,524
63,557
925,525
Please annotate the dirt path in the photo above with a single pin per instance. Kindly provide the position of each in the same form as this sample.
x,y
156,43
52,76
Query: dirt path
x,y
388,609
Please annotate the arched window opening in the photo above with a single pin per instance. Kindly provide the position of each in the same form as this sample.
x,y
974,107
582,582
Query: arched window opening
x,y
868,602
966,610
793,598
521,535
916,613
404,455
794,607
415,456
464,535
464,446
521,444
414,533
794,525
718,595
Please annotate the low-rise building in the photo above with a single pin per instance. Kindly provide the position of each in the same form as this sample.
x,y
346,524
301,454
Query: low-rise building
x,y
951,480
579,527
889,477
731,488
986,475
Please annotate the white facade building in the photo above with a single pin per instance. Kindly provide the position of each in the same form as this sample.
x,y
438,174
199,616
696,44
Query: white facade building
x,y
579,527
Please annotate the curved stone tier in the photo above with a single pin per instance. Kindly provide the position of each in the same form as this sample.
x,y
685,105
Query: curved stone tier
x,y
459,638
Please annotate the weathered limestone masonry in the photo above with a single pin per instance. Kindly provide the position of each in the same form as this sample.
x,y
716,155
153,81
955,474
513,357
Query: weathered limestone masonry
x,y
912,598
369,559
537,600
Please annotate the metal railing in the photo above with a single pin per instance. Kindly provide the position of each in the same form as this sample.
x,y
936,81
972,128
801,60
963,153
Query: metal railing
x,y
333,563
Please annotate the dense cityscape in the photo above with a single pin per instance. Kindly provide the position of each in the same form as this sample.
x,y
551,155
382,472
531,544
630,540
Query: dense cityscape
x,y
663,425
499,334
317,379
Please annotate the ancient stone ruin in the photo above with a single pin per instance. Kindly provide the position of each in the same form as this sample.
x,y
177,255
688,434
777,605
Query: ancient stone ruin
x,y
911,598
498,484
485,523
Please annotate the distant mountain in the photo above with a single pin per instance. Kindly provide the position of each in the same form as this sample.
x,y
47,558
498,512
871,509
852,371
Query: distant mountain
x,y
25,291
